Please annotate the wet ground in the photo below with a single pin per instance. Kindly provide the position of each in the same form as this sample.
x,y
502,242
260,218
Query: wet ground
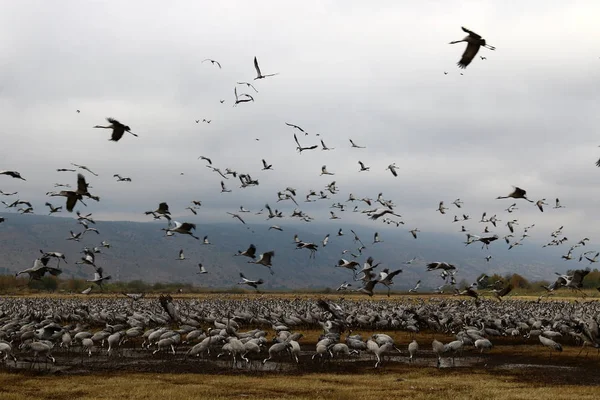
x,y
533,367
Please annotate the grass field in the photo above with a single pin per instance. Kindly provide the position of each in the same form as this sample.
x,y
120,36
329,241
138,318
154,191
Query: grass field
x,y
395,381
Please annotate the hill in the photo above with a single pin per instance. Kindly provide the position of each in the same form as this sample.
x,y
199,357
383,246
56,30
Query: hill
x,y
142,251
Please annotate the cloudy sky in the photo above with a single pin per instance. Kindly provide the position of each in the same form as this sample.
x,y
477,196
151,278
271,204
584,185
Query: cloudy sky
x,y
373,72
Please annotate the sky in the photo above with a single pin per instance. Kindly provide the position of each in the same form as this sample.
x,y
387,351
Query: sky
x,y
372,72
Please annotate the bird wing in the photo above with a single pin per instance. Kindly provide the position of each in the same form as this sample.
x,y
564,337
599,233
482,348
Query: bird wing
x,y
471,33
468,55
186,226
392,274
256,67
164,207
71,200
82,186
578,276
519,192
506,290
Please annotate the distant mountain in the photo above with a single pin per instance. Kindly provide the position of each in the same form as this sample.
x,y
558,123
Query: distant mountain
x,y
142,251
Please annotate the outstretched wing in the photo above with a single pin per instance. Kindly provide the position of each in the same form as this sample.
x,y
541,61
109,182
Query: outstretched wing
x,y
468,55
256,67
471,33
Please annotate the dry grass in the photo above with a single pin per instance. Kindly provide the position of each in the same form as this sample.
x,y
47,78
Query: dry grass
x,y
393,382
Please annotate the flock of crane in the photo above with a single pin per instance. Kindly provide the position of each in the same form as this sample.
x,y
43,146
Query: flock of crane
x,y
252,332
44,326
384,210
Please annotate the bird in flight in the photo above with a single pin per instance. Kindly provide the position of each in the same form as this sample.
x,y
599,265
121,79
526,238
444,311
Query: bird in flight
x,y
517,193
248,84
297,127
118,129
325,147
266,166
392,167
249,282
213,62
241,100
259,74
84,168
474,41
13,174
237,216
300,148
356,146
202,270
205,159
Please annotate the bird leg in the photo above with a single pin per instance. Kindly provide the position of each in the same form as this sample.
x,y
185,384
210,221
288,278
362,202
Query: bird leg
x,y
487,46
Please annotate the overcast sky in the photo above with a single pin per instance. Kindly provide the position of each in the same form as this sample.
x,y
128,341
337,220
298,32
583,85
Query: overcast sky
x,y
371,71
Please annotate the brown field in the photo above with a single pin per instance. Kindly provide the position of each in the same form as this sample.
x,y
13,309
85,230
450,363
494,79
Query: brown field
x,y
575,380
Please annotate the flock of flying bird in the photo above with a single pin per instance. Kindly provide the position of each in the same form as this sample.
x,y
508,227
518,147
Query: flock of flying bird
x,y
380,209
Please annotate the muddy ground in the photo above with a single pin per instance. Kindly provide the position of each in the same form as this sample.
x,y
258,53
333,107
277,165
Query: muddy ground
x,y
531,364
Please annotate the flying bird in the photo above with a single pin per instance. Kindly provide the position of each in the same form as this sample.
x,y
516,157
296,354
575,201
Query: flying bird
x,y
237,216
249,282
441,208
300,148
259,74
393,168
205,159
324,171
202,270
250,252
224,188
118,129
241,100
474,41
248,84
265,259
213,62
83,167
363,167
517,193
414,289
13,174
558,205
74,196
355,145
121,179
181,256
540,204
266,166
181,228
324,147
297,127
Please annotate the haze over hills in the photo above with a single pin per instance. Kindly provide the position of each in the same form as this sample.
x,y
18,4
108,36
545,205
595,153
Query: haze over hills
x,y
142,251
